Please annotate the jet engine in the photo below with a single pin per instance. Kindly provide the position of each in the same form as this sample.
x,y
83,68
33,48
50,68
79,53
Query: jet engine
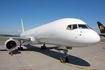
x,y
11,44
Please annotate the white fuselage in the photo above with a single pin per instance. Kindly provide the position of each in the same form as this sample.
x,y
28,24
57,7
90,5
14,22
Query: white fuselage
x,y
57,33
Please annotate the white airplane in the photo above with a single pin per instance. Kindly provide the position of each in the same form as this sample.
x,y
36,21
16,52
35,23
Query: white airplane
x,y
66,33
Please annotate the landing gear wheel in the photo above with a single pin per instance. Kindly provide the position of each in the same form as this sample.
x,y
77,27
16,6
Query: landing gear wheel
x,y
20,48
66,59
43,47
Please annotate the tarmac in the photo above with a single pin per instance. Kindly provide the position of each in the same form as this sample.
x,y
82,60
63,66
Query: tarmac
x,y
34,58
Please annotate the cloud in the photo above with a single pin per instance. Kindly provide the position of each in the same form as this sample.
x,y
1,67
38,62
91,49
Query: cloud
x,y
19,31
11,32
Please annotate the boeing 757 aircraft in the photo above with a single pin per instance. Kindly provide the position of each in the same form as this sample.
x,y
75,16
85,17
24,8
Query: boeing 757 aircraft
x,y
102,29
66,33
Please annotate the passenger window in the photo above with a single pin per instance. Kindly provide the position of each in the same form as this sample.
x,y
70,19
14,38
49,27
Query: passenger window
x,y
75,26
69,27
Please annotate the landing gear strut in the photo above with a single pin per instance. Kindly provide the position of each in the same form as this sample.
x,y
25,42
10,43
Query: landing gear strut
x,y
43,47
63,58
20,48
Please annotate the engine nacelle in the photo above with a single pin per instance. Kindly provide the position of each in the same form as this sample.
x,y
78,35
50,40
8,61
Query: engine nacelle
x,y
11,44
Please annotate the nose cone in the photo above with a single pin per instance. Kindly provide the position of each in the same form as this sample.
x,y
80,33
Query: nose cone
x,y
93,37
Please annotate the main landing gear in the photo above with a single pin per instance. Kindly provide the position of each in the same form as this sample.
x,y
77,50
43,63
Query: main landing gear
x,y
20,48
43,47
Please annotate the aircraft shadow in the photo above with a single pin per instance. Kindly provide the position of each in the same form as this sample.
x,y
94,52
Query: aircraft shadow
x,y
15,52
3,50
72,59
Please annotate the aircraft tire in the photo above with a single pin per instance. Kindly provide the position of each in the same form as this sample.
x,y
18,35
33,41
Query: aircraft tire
x,y
20,48
66,59
43,47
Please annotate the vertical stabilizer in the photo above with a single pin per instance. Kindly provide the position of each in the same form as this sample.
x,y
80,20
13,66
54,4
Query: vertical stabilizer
x,y
22,25
101,27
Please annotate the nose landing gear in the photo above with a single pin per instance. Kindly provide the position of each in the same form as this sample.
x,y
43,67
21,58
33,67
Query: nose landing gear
x,y
63,58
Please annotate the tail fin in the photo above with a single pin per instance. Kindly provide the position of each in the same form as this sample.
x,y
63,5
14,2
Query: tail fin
x,y
101,27
22,25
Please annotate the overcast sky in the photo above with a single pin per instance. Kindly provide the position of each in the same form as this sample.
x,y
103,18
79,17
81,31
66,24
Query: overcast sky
x,y
38,12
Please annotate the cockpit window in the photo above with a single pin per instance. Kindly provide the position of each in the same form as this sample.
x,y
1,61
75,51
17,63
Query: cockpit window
x,y
69,27
82,26
75,26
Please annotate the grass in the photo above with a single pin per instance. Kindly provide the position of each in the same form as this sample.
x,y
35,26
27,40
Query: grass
x,y
3,39
9,35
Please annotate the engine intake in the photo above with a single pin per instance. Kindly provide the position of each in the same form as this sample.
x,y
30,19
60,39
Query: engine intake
x,y
11,44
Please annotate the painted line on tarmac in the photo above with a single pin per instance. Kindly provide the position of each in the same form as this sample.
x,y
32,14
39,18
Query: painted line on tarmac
x,y
78,66
99,58
101,45
75,66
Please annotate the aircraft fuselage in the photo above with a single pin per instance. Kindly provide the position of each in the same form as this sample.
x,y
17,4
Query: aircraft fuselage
x,y
68,32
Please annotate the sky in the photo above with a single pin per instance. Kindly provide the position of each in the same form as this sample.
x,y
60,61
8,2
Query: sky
x,y
38,12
